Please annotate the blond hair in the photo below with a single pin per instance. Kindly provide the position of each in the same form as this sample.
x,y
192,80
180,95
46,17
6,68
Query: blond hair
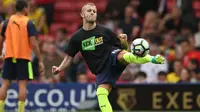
x,y
91,4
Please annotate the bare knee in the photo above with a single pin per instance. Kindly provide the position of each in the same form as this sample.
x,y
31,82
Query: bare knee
x,y
120,57
5,84
4,88
106,86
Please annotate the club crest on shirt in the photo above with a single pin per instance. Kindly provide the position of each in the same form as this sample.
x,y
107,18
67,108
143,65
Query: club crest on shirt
x,y
90,43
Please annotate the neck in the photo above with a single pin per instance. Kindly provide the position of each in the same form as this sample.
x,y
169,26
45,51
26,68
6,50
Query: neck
x,y
89,26
20,14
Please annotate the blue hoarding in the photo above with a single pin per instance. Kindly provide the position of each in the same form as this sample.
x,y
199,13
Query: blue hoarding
x,y
58,97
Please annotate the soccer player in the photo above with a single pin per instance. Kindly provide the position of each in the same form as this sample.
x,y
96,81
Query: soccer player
x,y
19,34
103,52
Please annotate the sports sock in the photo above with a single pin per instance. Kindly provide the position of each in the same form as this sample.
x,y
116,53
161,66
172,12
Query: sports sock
x,y
2,104
104,103
21,105
130,58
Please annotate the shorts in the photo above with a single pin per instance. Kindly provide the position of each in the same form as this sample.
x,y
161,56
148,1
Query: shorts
x,y
112,71
17,69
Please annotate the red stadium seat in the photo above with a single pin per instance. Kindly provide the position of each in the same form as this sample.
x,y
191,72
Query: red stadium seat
x,y
39,2
79,5
196,4
101,6
64,6
170,5
55,26
196,8
71,17
57,16
71,28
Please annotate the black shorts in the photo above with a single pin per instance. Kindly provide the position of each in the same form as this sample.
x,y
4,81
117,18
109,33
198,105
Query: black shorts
x,y
17,69
112,71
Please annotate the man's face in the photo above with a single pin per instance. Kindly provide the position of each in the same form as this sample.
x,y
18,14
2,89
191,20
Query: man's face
x,y
89,13
128,12
82,78
60,36
185,46
177,66
162,78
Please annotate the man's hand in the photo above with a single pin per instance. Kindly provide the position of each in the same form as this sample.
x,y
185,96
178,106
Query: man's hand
x,y
55,70
158,59
123,37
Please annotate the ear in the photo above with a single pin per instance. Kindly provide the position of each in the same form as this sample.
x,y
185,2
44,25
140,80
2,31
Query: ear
x,y
82,15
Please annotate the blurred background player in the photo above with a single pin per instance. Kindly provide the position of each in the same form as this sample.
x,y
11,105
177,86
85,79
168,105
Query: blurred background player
x,y
19,34
1,19
103,51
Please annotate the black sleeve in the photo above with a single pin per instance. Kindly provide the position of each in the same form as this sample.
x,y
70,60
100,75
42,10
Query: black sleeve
x,y
31,29
113,39
5,23
1,19
72,48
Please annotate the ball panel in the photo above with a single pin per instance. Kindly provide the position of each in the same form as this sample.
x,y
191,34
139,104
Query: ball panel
x,y
140,47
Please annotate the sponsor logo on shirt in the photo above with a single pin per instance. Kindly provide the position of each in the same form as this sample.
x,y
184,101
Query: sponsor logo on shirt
x,y
90,43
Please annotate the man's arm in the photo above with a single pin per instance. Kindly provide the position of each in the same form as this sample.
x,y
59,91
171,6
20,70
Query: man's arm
x,y
35,47
1,44
1,39
64,65
3,27
119,41
66,62
71,50
125,45
34,43
32,37
124,42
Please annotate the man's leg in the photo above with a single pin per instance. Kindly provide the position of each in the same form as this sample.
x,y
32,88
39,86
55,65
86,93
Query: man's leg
x,y
22,94
3,93
126,58
103,91
24,73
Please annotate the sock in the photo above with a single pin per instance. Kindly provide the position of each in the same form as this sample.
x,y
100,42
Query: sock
x,y
130,58
21,106
104,103
2,104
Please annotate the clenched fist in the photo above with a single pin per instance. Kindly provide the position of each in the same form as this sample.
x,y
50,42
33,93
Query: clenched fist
x,y
122,37
55,70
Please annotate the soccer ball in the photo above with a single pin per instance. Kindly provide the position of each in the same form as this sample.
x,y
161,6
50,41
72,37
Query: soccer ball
x,y
140,47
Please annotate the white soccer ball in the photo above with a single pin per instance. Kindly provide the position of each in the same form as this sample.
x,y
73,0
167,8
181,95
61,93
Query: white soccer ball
x,y
140,47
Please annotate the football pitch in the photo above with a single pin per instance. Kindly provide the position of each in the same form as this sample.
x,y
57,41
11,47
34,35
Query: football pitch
x,y
131,111
146,111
